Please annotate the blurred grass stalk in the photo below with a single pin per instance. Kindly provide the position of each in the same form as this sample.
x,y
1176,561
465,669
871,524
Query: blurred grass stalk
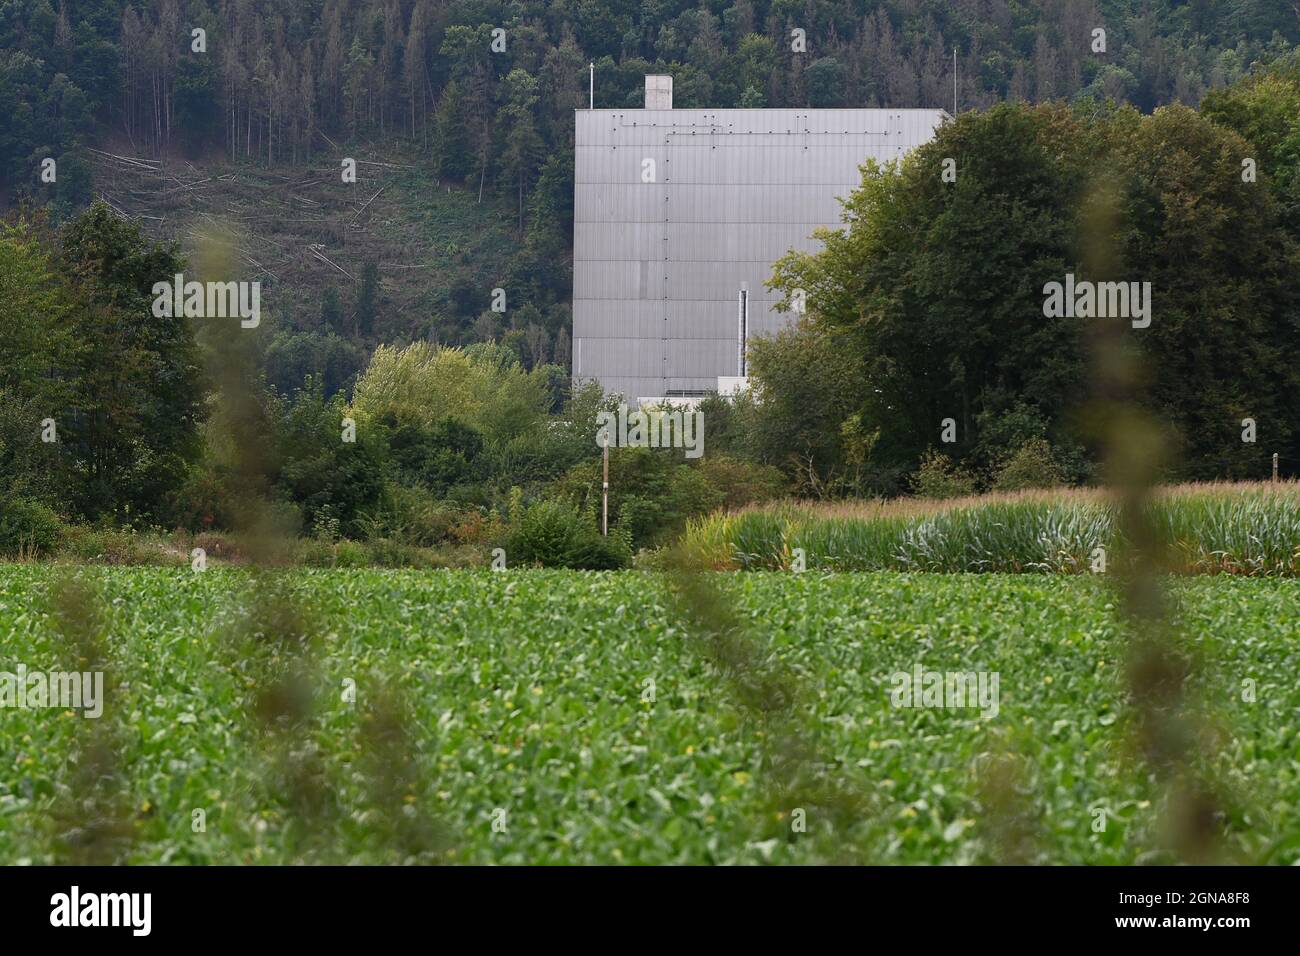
x,y
274,652
771,697
1171,738
93,820
283,638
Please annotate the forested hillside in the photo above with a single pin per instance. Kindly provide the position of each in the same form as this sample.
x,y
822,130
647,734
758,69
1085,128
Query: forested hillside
x,y
264,103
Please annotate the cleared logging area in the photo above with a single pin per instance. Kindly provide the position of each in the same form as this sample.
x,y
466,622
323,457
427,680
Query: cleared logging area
x,y
300,229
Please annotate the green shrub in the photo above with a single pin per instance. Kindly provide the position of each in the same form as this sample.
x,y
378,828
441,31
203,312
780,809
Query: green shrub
x,y
314,553
115,546
320,553
938,477
28,528
437,456
1032,465
202,502
641,519
652,493
556,535
275,519
317,470
411,516
742,482
387,553
325,525
351,554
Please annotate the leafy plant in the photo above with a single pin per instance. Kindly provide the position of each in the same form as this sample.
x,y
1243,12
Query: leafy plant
x,y
1032,465
939,478
28,528
555,535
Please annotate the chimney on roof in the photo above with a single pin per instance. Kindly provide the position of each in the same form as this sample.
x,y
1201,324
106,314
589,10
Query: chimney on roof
x,y
658,91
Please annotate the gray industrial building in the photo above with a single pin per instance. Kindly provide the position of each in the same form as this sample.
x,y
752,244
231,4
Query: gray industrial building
x,y
678,217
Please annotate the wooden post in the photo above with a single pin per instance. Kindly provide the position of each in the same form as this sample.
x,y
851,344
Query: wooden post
x,y
1275,468
604,496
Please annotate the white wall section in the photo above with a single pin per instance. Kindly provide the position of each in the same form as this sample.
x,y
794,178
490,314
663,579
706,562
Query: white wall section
x,y
658,265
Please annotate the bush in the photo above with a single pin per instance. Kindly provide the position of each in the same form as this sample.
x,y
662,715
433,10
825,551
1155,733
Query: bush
x,y
319,471
556,535
114,546
807,383
638,518
203,502
476,528
387,553
314,553
437,456
1032,465
350,554
651,493
320,553
742,482
938,477
214,545
28,528
411,516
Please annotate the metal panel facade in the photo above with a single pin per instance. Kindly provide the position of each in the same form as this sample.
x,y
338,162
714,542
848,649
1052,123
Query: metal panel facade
x,y
677,211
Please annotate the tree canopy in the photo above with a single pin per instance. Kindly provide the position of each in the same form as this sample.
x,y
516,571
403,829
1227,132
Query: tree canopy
x,y
935,284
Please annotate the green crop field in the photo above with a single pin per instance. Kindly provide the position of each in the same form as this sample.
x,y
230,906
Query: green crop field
x,y
568,717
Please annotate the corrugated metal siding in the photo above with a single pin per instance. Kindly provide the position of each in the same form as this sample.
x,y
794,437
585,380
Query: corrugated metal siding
x,y
658,266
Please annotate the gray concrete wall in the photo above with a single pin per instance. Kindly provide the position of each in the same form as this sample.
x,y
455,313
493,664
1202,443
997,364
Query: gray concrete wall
x,y
658,266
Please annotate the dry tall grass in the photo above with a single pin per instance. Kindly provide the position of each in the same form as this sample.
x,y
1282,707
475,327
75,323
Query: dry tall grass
x,y
1217,527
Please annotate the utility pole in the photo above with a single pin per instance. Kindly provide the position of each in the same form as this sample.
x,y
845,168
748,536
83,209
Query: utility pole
x,y
591,90
954,82
604,494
